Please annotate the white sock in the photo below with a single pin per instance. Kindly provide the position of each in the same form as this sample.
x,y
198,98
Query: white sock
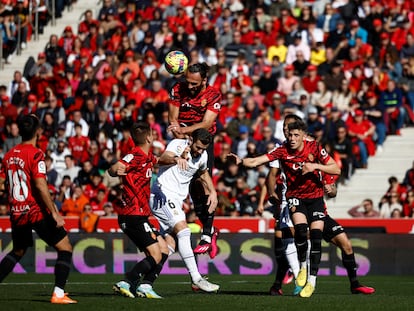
x,y
292,255
312,280
59,292
186,252
206,238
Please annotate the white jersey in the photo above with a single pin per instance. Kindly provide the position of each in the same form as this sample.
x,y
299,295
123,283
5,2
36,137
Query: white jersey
x,y
174,183
285,220
172,179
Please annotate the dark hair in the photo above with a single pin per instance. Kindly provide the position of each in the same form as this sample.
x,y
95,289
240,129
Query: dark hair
x,y
139,132
298,125
28,126
202,68
292,116
203,136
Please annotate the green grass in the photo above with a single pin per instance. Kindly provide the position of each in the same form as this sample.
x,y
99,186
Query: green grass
x,y
32,292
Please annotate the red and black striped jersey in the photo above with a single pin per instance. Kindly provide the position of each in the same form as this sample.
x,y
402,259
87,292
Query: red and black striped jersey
x,y
192,110
308,186
136,183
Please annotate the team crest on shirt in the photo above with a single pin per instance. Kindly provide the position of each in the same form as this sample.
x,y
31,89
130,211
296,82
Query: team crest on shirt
x,y
311,157
203,102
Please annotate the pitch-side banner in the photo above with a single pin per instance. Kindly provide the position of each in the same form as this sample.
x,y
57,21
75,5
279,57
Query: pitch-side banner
x,y
242,253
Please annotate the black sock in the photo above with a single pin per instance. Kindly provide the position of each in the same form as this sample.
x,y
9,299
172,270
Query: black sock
x,y
151,276
281,261
316,251
62,268
141,268
351,268
7,264
208,224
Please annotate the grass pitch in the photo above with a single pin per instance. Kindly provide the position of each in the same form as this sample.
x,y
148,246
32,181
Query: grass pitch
x,y
94,292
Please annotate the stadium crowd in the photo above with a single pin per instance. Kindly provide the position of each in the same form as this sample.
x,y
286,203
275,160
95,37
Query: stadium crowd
x,y
346,67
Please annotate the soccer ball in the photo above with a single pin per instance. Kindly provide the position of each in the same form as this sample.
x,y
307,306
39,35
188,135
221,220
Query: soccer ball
x,y
176,62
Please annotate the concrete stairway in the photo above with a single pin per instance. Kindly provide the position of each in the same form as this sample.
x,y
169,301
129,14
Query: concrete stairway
x,y
396,158
71,17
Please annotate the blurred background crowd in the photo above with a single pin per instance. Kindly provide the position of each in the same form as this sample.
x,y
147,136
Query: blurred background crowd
x,y
344,66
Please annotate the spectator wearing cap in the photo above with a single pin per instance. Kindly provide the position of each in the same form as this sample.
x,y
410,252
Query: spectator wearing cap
x,y
361,132
267,82
128,64
310,80
357,31
67,39
206,36
31,105
242,83
40,65
385,47
298,45
285,83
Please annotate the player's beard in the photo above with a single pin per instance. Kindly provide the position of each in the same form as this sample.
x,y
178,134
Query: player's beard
x,y
194,91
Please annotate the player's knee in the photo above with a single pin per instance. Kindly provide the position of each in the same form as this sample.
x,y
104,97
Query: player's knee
x,y
64,257
301,233
316,236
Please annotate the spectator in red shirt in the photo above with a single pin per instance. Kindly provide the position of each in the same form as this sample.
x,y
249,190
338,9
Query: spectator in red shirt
x,y
79,145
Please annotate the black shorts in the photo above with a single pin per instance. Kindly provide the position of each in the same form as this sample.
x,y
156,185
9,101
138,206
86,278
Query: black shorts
x,y
138,229
313,209
46,229
331,229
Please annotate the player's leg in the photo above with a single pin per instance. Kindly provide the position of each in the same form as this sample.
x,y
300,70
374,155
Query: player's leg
x,y
316,215
333,232
58,238
22,240
141,233
208,242
183,234
145,288
301,241
281,263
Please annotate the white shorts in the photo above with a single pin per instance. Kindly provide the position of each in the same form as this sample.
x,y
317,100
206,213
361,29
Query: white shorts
x,y
285,221
169,214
